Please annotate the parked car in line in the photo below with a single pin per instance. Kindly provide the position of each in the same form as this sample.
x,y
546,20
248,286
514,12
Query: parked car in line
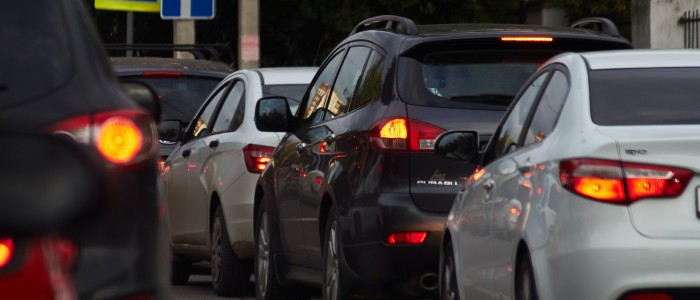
x,y
210,177
55,79
596,167
181,84
353,200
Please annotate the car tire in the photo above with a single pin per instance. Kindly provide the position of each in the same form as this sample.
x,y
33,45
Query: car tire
x,y
266,285
180,271
333,287
525,287
448,286
230,275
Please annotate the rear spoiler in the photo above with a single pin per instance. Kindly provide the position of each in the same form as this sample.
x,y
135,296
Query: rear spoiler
x,y
199,51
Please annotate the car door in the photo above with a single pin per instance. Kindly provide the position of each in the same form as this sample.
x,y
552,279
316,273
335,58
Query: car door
x,y
292,164
185,223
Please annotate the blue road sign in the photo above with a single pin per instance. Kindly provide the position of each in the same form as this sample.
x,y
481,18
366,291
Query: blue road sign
x,y
186,9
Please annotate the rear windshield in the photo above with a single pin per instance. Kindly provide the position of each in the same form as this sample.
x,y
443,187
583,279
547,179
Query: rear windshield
x,y
35,57
293,92
645,96
468,79
181,96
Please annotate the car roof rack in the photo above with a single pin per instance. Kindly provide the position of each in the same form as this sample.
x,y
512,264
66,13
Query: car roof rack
x,y
601,24
396,24
199,51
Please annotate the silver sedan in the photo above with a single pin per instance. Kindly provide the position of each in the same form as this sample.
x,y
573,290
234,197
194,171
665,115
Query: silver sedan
x,y
589,187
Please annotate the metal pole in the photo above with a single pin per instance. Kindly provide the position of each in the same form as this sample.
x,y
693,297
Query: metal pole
x,y
129,31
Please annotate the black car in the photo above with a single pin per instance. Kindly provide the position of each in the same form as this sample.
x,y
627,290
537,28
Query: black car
x,y
354,200
181,84
56,79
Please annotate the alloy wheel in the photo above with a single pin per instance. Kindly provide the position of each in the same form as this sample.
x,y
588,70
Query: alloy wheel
x,y
332,269
263,255
216,250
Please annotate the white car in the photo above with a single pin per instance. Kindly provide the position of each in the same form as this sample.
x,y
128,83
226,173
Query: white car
x,y
589,186
209,179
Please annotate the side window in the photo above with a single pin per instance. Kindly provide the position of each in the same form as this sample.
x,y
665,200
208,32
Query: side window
x,y
513,124
203,120
318,95
371,85
348,76
228,111
548,109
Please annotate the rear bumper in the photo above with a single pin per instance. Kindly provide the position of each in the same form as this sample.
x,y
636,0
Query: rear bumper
x,y
373,262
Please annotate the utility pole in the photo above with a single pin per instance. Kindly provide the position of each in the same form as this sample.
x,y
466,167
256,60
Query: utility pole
x,y
249,34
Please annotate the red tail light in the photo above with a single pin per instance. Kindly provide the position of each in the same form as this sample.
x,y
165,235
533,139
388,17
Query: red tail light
x,y
161,74
7,249
407,238
257,157
621,182
400,134
122,137
649,296
526,39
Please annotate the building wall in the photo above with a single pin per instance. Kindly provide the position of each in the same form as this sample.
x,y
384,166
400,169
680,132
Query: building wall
x,y
655,22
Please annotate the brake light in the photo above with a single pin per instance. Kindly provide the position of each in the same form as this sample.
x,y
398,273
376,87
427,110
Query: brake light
x,y
621,182
7,249
536,39
649,296
161,74
404,134
407,238
121,137
257,157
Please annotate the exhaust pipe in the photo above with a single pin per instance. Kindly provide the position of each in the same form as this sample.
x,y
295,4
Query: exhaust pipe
x,y
429,281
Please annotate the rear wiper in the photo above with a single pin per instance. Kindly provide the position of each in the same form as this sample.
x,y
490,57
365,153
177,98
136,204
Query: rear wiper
x,y
495,99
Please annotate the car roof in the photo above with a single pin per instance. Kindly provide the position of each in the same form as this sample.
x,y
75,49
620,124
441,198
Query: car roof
x,y
287,75
125,66
642,58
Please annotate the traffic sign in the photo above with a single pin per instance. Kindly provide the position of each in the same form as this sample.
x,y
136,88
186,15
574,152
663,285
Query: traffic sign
x,y
187,9
129,5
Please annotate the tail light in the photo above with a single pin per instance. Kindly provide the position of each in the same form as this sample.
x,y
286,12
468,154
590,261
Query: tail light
x,y
622,182
527,39
257,157
407,238
161,74
649,296
7,249
400,134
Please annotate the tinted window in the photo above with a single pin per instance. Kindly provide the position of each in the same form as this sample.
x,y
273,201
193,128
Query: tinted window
x,y
318,95
513,124
203,120
348,76
35,49
645,96
181,96
548,109
293,93
229,113
371,85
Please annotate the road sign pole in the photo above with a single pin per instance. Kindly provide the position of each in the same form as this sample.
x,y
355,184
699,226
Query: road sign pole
x,y
183,34
129,31
249,38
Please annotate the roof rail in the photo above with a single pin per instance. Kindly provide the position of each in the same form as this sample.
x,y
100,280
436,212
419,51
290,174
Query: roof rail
x,y
394,23
199,51
603,24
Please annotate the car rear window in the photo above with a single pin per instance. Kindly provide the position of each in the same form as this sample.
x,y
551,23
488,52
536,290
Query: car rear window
x,y
37,51
469,79
645,96
293,92
181,96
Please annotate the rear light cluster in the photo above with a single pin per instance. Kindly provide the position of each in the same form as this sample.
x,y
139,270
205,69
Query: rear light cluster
x,y
622,182
121,137
407,238
401,134
257,157
7,249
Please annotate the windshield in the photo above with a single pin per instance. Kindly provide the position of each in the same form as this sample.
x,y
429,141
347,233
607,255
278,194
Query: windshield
x,y
293,93
181,96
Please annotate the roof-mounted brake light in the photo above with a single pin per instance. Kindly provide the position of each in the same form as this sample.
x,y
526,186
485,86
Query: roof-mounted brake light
x,y
526,39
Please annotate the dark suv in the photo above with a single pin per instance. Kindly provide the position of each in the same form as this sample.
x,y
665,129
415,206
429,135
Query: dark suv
x,y
354,200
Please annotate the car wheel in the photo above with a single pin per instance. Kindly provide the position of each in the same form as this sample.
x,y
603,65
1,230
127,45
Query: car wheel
x,y
266,285
230,275
180,272
332,272
525,288
448,290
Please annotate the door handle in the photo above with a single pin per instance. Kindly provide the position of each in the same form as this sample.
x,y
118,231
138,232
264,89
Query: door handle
x,y
186,153
330,138
489,184
213,144
301,147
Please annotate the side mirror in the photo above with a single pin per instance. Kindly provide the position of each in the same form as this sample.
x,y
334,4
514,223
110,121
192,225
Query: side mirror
x,y
272,114
145,96
459,145
45,182
170,131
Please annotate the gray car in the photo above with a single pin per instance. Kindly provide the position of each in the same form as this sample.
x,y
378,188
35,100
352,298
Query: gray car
x,y
589,187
